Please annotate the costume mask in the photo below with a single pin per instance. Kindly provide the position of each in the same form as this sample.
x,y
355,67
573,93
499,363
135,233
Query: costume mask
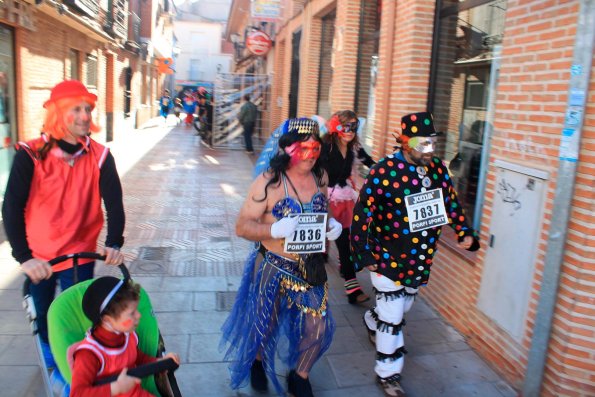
x,y
335,127
423,144
303,151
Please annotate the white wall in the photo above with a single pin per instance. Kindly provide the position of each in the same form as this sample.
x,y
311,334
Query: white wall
x,y
200,45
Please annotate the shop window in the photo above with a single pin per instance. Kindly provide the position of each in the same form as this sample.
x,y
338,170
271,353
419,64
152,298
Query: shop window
x,y
91,62
8,127
367,67
475,94
74,65
325,71
195,73
465,67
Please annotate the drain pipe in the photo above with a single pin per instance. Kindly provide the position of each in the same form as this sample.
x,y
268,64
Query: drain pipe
x,y
569,150
390,38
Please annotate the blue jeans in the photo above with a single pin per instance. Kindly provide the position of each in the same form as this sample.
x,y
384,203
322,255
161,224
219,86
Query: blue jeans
x,y
44,292
248,129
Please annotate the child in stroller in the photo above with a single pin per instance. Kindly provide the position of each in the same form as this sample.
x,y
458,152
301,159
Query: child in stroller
x,y
68,325
111,345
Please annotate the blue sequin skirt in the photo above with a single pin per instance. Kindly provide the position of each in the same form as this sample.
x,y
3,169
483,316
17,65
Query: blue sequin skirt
x,y
276,307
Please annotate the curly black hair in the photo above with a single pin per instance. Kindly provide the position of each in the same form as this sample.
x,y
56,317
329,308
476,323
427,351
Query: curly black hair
x,y
295,130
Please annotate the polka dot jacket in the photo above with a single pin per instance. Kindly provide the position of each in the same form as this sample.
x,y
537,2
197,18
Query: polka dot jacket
x,y
380,232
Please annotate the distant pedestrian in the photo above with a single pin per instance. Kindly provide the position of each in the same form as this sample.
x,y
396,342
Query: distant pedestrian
x,y
205,117
177,109
340,149
397,222
165,104
247,118
189,104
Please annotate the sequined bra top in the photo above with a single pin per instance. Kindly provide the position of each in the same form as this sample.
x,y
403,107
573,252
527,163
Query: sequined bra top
x,y
289,205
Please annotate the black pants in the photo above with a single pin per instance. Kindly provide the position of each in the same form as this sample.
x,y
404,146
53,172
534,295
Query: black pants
x,y
347,267
248,130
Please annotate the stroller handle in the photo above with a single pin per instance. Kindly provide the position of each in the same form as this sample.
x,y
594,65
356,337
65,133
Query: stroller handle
x,y
75,257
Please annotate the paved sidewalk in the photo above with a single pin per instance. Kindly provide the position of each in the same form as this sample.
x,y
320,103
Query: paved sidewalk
x,y
181,202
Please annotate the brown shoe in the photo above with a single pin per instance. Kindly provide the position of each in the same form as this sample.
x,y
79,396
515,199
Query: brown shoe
x,y
357,297
391,386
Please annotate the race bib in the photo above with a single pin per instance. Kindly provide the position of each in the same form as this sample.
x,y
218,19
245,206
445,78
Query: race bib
x,y
426,210
309,236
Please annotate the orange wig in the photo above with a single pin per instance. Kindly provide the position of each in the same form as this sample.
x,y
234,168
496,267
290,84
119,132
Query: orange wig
x,y
403,141
54,118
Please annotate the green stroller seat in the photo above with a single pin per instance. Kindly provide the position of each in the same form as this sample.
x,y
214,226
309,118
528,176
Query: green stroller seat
x,y
67,325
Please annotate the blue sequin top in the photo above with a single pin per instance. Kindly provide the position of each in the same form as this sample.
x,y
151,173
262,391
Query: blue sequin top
x,y
289,205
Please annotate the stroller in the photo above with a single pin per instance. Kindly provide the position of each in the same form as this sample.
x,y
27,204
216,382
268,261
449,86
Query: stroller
x,y
67,325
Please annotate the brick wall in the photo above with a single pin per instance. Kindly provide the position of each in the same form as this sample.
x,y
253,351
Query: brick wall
x,y
43,63
529,115
345,57
542,78
277,90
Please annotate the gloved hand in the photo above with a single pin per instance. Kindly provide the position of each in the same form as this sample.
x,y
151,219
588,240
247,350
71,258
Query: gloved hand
x,y
334,229
284,227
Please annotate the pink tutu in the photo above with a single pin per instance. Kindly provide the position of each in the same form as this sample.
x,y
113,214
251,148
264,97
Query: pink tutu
x,y
342,201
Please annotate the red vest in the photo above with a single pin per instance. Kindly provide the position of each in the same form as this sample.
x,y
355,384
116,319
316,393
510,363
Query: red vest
x,y
63,214
113,360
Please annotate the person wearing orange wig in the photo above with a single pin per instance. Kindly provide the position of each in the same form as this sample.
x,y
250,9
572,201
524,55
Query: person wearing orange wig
x,y
52,204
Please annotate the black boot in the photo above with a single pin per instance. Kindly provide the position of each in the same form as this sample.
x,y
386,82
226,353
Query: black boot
x,y
258,378
298,386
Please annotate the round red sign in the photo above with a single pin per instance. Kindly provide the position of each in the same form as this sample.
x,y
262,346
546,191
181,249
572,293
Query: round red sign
x,y
258,43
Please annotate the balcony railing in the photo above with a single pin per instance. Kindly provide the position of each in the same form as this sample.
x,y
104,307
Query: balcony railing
x,y
89,7
116,23
134,24
120,17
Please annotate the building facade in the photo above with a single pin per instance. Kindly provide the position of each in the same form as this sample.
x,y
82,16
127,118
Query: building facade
x,y
111,46
510,84
204,53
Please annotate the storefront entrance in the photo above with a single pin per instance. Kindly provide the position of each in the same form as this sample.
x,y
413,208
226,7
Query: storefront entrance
x,y
7,104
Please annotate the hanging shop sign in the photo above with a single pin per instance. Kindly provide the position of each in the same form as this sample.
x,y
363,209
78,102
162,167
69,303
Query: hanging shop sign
x,y
258,43
266,10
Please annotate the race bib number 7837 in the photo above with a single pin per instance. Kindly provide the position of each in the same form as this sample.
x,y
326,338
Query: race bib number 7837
x,y
426,210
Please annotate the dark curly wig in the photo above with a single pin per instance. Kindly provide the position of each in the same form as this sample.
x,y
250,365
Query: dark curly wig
x,y
294,130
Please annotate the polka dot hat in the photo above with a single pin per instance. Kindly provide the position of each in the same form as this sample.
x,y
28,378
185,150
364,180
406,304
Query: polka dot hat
x,y
418,124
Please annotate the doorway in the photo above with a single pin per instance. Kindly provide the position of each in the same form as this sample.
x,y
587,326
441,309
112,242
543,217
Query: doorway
x,y
127,90
294,84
